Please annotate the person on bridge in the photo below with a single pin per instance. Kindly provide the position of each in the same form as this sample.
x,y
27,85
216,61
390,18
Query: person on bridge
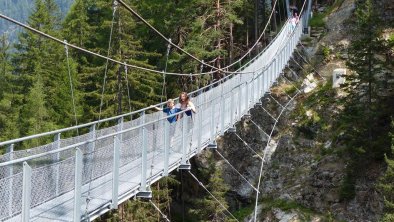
x,y
185,103
169,110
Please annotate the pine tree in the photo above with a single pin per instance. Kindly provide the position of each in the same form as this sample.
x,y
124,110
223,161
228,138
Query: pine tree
x,y
41,62
93,20
362,85
36,115
76,27
365,119
207,208
9,112
386,184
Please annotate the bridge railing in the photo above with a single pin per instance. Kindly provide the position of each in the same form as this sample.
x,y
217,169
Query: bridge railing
x,y
32,177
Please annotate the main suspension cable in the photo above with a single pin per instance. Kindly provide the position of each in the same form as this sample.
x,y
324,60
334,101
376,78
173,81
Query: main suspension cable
x,y
71,87
97,54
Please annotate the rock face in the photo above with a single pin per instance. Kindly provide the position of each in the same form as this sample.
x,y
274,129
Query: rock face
x,y
297,170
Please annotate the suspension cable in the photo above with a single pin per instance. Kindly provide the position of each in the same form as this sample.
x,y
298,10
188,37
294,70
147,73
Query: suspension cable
x,y
276,101
265,154
164,88
286,79
206,189
293,71
71,87
258,127
93,53
101,103
127,85
308,61
107,61
187,53
247,145
246,180
111,59
305,69
269,114
158,209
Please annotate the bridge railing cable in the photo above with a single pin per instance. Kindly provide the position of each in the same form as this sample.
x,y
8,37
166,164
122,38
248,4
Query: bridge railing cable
x,y
61,168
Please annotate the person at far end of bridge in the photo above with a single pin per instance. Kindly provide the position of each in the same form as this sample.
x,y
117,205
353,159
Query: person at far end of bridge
x,y
293,22
186,104
169,110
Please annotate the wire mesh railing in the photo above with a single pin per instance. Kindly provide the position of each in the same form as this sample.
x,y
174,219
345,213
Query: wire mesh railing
x,y
94,170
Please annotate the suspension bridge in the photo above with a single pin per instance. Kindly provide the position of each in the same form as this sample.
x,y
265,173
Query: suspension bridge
x,y
82,177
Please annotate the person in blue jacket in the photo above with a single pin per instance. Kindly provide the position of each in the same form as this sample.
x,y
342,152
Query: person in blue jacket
x,y
169,110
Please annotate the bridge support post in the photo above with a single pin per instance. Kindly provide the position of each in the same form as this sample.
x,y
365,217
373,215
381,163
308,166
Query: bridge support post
x,y
247,104
200,116
120,128
264,82
26,192
10,150
166,146
91,147
144,192
233,109
222,113
281,60
259,88
185,165
115,172
271,68
56,145
213,133
77,186
252,90
239,114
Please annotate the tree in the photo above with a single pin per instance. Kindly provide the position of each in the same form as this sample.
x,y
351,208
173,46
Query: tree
x,y
366,117
36,115
207,208
362,86
8,111
42,64
386,184
96,20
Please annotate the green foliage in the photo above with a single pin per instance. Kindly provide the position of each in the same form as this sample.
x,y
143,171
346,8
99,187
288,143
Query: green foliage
x,y
386,183
347,191
365,121
326,52
318,20
37,117
20,11
242,213
207,208
9,113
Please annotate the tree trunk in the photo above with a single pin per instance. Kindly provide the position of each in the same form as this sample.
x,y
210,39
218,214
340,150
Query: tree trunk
x,y
370,95
256,19
231,43
247,33
219,41
274,16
